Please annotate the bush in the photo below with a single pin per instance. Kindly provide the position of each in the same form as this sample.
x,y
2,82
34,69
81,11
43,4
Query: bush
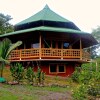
x,y
94,88
40,76
80,93
75,75
30,76
17,72
89,83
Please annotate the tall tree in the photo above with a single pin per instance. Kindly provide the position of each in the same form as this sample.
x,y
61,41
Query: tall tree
x,y
96,34
6,47
5,26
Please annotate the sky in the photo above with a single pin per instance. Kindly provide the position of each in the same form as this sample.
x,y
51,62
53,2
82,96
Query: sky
x,y
84,13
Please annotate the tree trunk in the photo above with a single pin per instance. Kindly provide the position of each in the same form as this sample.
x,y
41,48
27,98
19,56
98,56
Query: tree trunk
x,y
2,66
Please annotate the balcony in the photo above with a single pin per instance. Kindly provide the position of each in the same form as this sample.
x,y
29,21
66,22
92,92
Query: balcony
x,y
48,54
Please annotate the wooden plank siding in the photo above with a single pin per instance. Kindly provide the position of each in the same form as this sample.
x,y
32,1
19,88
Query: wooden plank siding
x,y
48,53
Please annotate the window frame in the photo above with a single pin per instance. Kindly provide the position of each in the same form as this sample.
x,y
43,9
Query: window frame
x,y
57,68
63,66
53,72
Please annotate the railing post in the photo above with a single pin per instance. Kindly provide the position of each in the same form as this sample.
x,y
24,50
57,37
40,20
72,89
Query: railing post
x,y
40,53
40,47
20,54
81,52
61,53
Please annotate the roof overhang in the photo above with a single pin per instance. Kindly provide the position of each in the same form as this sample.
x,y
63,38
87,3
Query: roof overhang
x,y
87,38
44,28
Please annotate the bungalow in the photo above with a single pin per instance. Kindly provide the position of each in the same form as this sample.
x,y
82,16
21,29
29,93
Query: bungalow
x,y
51,42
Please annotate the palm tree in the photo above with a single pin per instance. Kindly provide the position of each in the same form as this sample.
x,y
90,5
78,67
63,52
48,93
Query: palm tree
x,y
6,47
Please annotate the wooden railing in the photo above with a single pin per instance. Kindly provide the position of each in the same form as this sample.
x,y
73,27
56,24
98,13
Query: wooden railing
x,y
48,53
86,55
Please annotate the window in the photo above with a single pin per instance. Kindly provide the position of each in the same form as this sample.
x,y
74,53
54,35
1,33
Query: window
x,y
35,45
57,68
61,68
53,68
65,45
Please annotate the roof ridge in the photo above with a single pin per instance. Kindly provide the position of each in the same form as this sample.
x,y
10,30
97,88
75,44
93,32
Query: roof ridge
x,y
45,10
45,14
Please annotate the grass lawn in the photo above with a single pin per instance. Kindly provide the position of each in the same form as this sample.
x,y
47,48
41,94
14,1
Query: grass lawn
x,y
28,92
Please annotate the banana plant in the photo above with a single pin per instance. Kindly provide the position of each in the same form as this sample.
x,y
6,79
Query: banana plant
x,y
6,46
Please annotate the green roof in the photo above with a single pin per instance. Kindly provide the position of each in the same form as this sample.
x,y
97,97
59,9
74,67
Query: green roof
x,y
44,28
45,14
86,36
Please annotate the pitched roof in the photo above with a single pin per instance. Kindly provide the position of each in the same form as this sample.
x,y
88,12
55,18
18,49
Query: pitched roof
x,y
44,28
47,20
86,36
45,14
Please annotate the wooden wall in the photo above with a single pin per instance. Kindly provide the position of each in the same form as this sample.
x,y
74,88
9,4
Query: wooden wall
x,y
69,69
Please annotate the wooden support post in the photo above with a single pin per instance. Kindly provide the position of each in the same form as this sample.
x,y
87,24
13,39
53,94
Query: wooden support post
x,y
20,54
62,50
81,49
24,46
40,46
61,53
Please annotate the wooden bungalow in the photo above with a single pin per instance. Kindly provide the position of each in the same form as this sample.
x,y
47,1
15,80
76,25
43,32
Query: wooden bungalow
x,y
56,43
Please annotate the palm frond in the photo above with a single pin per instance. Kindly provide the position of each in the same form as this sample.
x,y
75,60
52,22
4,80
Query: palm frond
x,y
12,47
4,60
6,44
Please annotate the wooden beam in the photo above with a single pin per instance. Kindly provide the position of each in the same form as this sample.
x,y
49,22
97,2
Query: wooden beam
x,y
40,46
20,54
24,46
80,49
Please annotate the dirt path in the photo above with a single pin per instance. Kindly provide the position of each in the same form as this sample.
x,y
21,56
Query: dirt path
x,y
33,93
56,96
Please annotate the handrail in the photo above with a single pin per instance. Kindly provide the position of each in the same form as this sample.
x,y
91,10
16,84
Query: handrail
x,y
48,53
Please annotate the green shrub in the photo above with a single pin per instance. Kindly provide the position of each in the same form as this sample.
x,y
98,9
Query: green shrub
x,y
30,76
80,93
40,76
89,82
94,88
17,72
75,75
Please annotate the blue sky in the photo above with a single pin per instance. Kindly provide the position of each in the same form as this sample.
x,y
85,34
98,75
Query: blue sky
x,y
84,13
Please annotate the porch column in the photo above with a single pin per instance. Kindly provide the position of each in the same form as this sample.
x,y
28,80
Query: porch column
x,y
81,49
40,45
62,50
24,46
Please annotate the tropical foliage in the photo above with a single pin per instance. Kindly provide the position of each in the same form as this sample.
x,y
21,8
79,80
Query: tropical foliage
x,y
88,79
95,49
30,75
19,73
6,47
5,26
96,33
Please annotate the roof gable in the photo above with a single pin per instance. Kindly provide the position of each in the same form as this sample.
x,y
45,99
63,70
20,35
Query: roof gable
x,y
47,20
45,14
